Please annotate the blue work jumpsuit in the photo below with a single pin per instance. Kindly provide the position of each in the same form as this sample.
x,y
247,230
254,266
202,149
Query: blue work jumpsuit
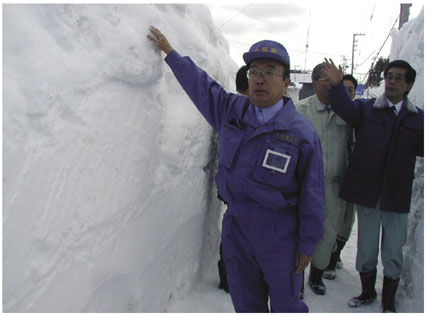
x,y
271,175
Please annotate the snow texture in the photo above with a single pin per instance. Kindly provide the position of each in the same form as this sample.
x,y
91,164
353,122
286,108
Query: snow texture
x,y
109,203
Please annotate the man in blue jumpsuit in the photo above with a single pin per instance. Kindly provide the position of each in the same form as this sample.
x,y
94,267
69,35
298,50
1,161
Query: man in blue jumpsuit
x,y
270,174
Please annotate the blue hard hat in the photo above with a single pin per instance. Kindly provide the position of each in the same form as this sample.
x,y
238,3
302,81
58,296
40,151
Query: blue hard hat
x,y
269,50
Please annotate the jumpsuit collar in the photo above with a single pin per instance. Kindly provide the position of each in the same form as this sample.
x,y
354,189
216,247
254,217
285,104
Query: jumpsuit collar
x,y
282,120
265,114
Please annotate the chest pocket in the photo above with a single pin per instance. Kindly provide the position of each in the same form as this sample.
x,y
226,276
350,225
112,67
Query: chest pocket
x,y
276,163
410,136
230,139
342,131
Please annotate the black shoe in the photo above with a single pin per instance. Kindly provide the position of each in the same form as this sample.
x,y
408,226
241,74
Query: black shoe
x,y
340,244
302,294
368,281
363,299
315,280
388,294
302,289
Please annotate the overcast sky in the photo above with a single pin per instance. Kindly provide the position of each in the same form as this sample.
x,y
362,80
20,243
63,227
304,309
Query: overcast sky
x,y
331,25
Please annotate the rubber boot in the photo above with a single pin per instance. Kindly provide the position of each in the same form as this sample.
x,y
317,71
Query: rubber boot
x,y
330,271
315,280
368,281
302,289
340,244
388,294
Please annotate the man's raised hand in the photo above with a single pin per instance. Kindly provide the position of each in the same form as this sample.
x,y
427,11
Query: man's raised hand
x,y
333,73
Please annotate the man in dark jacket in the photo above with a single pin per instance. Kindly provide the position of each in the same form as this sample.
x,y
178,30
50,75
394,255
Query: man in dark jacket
x,y
389,135
270,175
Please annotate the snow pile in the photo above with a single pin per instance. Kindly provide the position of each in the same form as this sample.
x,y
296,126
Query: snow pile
x,y
107,173
108,196
408,44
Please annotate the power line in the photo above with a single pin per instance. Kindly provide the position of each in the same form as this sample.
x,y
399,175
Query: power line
x,y
234,16
364,60
389,34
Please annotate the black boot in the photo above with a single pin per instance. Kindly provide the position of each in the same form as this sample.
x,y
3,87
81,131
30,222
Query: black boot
x,y
330,271
388,294
302,289
368,281
340,244
315,280
222,272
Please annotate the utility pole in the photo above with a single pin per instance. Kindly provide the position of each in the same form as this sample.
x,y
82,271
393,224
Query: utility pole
x,y
353,49
404,13
344,64
307,39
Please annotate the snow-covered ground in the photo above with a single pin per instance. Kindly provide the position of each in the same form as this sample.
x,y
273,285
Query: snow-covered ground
x,y
108,196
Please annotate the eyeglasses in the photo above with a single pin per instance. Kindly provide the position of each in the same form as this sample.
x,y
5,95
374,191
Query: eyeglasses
x,y
266,74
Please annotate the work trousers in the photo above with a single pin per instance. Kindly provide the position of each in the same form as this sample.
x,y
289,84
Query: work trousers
x,y
348,222
334,212
260,257
394,236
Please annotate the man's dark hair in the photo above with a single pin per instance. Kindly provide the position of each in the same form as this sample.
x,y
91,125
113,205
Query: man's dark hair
x,y
410,72
286,72
351,78
241,79
316,72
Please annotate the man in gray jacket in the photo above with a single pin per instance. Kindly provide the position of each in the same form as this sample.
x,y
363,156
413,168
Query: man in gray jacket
x,y
351,85
334,134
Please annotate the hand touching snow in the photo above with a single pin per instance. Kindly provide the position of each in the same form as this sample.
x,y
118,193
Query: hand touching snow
x,y
160,40
333,73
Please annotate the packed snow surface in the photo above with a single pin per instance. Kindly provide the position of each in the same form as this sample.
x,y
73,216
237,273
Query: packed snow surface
x,y
109,203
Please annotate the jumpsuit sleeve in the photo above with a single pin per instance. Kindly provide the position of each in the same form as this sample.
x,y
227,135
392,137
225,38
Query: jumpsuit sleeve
x,y
342,105
310,173
209,97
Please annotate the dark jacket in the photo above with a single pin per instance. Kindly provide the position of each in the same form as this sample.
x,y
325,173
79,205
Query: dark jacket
x,y
381,167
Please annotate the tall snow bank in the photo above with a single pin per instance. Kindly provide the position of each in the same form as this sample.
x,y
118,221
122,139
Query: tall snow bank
x,y
408,44
107,166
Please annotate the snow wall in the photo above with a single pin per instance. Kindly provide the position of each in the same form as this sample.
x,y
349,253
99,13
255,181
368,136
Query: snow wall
x,y
108,198
108,193
408,44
